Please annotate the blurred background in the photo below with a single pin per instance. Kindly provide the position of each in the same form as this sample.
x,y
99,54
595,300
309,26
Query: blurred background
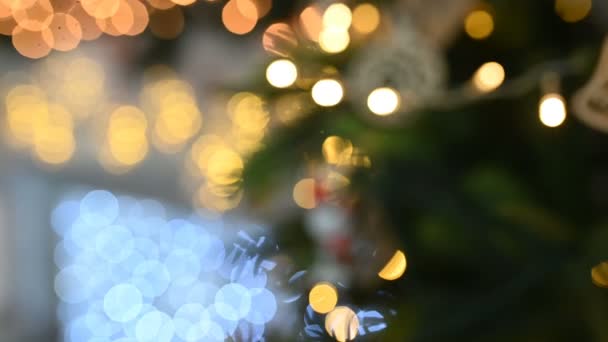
x,y
259,170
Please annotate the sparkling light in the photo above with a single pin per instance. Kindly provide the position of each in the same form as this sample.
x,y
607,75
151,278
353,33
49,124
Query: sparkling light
x,y
327,92
479,24
282,73
384,101
489,77
552,110
366,18
323,298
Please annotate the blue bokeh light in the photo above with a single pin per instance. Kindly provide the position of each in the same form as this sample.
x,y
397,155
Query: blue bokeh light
x,y
126,273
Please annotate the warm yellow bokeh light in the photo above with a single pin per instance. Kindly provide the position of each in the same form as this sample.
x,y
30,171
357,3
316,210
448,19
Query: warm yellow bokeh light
x,y
126,137
334,39
54,141
366,18
282,73
342,324
599,274
479,24
304,193
395,267
224,167
489,77
337,150
384,101
323,298
552,110
573,10
327,92
338,16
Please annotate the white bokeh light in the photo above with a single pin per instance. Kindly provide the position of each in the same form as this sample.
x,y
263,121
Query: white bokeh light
x,y
327,92
282,73
383,101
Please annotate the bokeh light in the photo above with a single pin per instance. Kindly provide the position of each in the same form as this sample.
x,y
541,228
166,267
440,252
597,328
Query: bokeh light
x,y
599,274
323,298
282,73
489,77
365,18
279,39
311,21
334,39
573,10
552,110
304,193
127,273
342,324
479,24
394,268
384,101
337,150
337,15
126,136
235,20
327,92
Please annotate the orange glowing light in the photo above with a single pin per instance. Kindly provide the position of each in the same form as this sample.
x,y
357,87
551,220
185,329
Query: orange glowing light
x,y
235,21
32,44
66,32
279,39
311,21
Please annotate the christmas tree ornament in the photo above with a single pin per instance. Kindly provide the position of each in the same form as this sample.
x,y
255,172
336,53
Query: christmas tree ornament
x,y
590,104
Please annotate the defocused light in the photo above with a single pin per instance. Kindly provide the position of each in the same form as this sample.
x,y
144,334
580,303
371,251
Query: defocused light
x,y
281,73
334,39
327,92
366,18
304,193
36,17
342,324
100,9
32,44
337,151
384,101
573,10
235,21
395,268
552,110
248,9
126,137
489,76
66,32
279,39
224,167
599,274
479,24
122,303
337,15
323,298
311,21
127,272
